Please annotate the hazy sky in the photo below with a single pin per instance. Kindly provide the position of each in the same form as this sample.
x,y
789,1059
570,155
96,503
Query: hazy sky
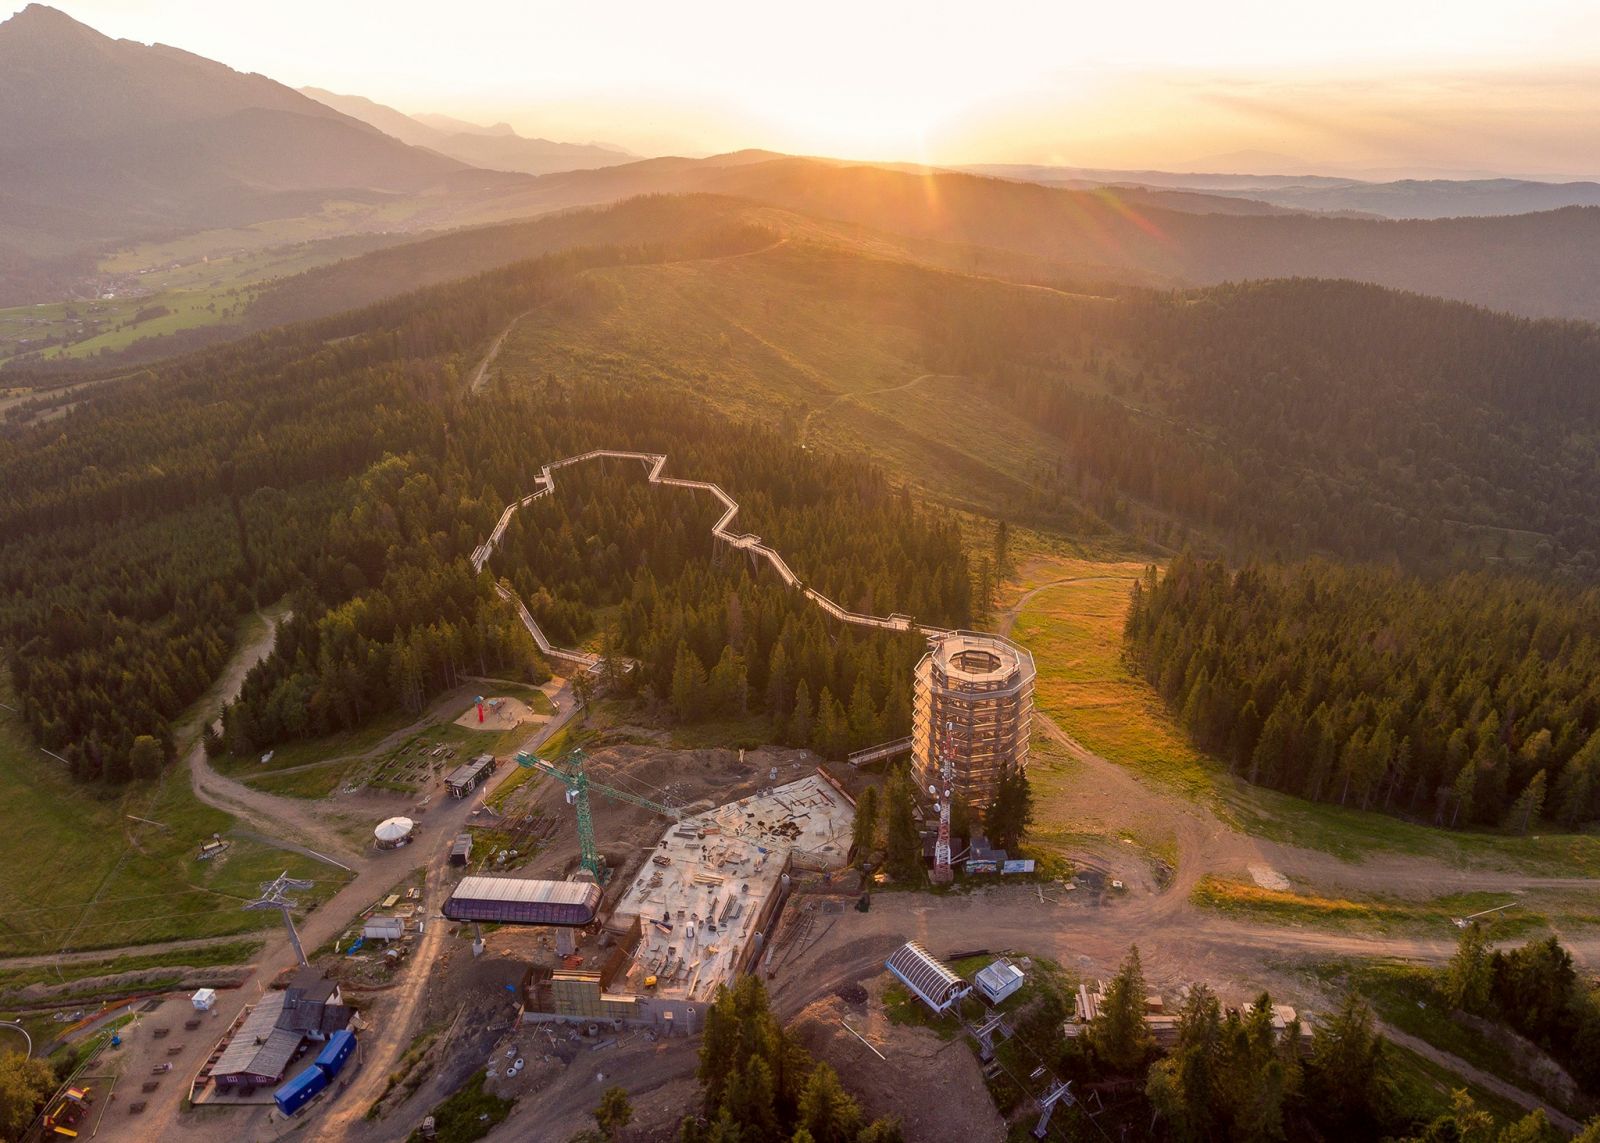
x,y
1414,84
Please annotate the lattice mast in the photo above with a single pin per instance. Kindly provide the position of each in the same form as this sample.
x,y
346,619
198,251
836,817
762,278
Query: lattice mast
x,y
942,873
274,895
569,770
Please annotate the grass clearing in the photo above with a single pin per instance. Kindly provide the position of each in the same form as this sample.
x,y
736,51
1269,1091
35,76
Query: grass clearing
x,y
1408,997
114,880
1384,915
469,1114
408,767
1074,629
1425,1089
226,953
350,744
1352,834
733,734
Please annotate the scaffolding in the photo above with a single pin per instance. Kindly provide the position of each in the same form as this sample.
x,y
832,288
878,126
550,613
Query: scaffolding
x,y
974,702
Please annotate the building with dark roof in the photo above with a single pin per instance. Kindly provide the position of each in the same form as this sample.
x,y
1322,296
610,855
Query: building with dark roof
x,y
523,901
468,776
278,1029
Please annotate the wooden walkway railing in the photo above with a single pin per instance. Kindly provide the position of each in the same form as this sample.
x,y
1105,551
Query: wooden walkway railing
x,y
878,753
722,530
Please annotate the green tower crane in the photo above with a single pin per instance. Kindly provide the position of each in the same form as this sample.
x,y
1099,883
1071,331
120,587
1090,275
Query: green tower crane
x,y
570,772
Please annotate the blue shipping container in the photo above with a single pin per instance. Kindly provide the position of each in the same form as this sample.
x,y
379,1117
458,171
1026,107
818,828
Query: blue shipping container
x,y
336,1052
296,1093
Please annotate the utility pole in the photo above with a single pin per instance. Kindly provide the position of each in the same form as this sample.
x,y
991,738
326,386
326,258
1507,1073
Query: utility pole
x,y
273,897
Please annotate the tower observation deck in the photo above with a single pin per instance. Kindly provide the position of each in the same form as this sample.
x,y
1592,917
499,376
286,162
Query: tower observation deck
x,y
974,692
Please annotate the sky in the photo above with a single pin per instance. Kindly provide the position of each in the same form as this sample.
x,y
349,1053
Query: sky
x,y
1287,86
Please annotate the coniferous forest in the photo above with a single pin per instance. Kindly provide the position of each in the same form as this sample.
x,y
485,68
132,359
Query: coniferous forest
x,y
341,465
1297,417
333,461
1471,700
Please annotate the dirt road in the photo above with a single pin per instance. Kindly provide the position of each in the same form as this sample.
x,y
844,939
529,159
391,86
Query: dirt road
x,y
481,373
344,1119
376,873
805,426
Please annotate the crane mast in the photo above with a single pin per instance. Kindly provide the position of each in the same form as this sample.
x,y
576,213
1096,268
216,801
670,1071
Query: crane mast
x,y
569,770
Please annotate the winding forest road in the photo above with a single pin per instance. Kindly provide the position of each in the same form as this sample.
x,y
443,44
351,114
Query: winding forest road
x,y
481,373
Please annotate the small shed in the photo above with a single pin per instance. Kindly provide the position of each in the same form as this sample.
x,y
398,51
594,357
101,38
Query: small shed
x,y
461,849
930,980
468,776
301,1090
383,929
336,1052
999,980
983,857
204,1000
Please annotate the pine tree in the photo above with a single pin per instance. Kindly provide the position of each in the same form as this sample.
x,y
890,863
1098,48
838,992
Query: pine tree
x,y
1012,811
1180,1087
865,836
831,736
1465,785
1470,978
1346,1055
780,687
689,685
146,757
826,1110
1529,805
1119,1035
614,1112
729,685
904,851
866,729
800,720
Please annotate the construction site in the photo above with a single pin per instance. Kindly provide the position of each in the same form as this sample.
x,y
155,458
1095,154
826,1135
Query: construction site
x,y
680,919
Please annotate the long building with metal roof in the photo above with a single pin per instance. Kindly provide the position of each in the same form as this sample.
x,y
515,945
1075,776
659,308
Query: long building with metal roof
x,y
933,982
523,901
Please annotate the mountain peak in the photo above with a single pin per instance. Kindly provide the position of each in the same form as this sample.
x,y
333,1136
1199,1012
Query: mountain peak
x,y
41,19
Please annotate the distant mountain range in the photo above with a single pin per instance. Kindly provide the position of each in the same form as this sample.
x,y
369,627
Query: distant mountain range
x,y
102,140
497,148
1400,198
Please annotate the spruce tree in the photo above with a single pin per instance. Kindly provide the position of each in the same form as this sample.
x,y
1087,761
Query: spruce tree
x,y
904,852
1469,980
865,835
1526,809
1119,1035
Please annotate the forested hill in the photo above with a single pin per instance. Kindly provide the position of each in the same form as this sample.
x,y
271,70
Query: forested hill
x,y
1302,416
1290,418
1535,264
344,463
1472,700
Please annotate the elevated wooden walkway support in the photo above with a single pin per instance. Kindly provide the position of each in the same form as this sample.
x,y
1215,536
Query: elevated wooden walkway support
x,y
880,752
721,530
